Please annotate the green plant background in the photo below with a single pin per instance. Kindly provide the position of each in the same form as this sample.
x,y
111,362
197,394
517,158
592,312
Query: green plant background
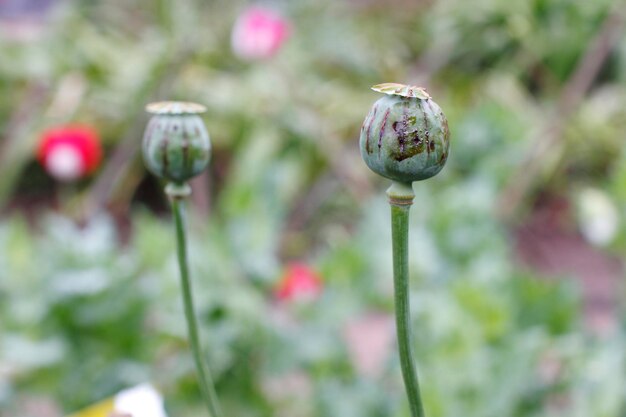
x,y
88,309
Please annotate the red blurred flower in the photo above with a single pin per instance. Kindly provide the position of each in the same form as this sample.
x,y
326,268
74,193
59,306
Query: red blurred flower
x,y
299,282
259,33
69,152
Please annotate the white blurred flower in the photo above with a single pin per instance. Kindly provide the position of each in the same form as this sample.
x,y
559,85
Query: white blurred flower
x,y
65,163
140,401
598,218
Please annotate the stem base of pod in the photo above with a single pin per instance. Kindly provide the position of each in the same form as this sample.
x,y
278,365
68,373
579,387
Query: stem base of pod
x,y
177,191
401,193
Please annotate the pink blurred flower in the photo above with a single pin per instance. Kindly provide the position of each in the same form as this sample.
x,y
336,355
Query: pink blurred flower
x,y
369,339
69,152
299,282
259,33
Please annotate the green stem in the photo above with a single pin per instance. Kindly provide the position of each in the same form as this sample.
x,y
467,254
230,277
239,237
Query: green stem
x,y
400,198
206,382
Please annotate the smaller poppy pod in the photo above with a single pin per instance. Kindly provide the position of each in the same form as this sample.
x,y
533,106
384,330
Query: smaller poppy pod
x,y
405,137
176,144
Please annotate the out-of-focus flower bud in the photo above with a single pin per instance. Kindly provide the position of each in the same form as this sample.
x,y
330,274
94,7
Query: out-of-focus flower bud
x,y
71,152
259,33
405,137
176,144
299,282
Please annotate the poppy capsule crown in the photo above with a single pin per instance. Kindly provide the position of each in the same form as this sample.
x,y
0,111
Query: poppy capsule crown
x,y
69,152
405,136
176,144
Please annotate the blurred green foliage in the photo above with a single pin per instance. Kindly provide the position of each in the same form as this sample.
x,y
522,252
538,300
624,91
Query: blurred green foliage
x,y
83,318
83,315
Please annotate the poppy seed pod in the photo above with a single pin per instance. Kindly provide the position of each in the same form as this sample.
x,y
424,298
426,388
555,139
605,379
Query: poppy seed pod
x,y
405,137
176,144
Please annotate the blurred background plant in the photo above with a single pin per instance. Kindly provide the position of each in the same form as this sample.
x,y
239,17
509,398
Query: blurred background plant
x,y
517,246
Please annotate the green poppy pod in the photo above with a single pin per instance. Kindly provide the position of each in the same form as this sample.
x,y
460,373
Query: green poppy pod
x,y
176,144
405,137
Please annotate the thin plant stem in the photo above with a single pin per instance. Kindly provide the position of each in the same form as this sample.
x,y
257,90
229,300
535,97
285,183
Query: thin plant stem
x,y
400,198
206,381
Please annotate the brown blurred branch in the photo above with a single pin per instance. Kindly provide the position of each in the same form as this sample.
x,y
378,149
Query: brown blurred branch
x,y
114,171
17,139
549,141
201,197
125,155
